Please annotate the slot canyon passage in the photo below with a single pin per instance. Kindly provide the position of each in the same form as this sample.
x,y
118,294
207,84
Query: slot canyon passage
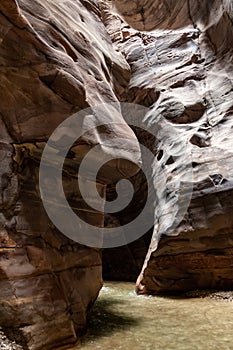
x,y
172,61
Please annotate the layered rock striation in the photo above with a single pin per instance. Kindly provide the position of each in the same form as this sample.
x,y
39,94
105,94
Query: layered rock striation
x,y
180,54
56,58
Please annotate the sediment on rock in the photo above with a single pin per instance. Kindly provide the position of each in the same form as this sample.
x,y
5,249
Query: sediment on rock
x,y
7,344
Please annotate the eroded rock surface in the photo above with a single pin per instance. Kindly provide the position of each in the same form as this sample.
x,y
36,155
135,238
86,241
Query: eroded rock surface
x,y
60,57
56,58
180,54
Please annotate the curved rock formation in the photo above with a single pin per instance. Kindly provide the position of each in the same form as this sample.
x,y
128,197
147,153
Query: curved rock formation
x,y
147,15
56,58
184,68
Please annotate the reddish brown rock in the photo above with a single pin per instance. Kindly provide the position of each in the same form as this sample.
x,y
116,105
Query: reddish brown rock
x,y
56,58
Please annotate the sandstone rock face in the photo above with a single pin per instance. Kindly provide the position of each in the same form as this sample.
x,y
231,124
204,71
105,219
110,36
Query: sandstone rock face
x,y
180,54
56,58
60,57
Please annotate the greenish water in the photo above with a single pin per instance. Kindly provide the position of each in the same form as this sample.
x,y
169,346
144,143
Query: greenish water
x,y
122,320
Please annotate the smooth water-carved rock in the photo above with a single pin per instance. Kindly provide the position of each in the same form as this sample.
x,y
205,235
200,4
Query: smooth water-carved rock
x,y
182,70
56,58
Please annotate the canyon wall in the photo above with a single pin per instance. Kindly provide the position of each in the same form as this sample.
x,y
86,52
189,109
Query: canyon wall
x,y
180,54
56,59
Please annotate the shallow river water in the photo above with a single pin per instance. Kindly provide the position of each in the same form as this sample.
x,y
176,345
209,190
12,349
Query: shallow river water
x,y
122,320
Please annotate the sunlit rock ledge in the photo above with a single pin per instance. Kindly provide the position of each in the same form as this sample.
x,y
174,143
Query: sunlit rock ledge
x,y
60,57
180,54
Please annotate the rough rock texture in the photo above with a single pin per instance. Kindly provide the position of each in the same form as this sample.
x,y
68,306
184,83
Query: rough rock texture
x,y
7,344
56,58
182,70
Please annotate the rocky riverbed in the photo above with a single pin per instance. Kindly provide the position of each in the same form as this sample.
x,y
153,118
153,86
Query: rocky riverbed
x,y
211,294
7,344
